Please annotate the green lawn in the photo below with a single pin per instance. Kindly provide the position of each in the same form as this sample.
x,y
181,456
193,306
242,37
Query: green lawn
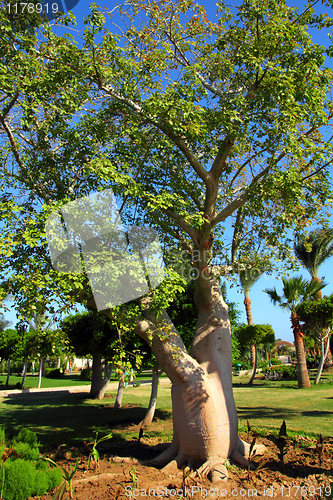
x,y
32,380
63,417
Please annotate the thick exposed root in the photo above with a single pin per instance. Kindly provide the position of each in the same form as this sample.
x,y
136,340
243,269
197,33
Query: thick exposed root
x,y
243,448
163,458
179,462
240,459
214,469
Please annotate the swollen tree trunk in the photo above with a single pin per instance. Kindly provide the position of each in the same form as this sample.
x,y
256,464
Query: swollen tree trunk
x,y
302,371
146,422
8,373
323,355
40,371
205,427
24,372
120,392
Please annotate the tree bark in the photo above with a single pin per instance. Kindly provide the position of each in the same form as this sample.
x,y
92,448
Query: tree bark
x,y
302,371
120,392
323,355
205,426
24,372
8,373
255,364
97,376
247,304
40,371
253,349
146,422
99,384
58,362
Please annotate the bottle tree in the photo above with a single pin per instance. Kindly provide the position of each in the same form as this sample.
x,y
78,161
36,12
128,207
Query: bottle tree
x,y
187,119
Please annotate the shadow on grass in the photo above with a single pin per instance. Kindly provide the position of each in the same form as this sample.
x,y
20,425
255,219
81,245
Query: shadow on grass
x,y
69,418
262,412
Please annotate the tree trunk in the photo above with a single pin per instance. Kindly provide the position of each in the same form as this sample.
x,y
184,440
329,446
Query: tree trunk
x,y
97,376
323,354
120,392
255,365
302,371
99,384
247,304
40,371
146,422
8,373
319,295
24,372
58,362
205,427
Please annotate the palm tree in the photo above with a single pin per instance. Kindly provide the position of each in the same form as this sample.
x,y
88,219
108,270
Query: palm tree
x,y
248,277
295,290
314,250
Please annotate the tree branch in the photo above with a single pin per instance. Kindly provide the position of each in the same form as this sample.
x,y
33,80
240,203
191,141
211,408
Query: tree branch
x,y
183,224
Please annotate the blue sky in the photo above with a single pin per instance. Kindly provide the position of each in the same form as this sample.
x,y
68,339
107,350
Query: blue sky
x,y
263,310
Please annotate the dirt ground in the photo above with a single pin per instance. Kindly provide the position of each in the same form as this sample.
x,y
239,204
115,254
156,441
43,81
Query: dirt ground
x,y
121,474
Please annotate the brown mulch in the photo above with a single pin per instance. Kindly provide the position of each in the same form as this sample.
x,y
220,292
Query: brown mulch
x,y
306,474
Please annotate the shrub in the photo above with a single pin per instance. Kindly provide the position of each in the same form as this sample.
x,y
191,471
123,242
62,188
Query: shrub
x,y
276,361
86,374
56,373
281,373
263,365
23,473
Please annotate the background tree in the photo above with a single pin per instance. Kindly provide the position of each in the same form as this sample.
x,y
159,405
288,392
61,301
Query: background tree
x,y
318,317
248,276
295,290
91,334
187,120
253,335
11,347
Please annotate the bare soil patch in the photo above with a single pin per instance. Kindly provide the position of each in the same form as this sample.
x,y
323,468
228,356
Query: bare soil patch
x,y
121,474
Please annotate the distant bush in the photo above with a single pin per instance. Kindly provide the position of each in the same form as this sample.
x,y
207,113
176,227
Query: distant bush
x,y
263,365
283,372
23,473
276,361
56,373
86,374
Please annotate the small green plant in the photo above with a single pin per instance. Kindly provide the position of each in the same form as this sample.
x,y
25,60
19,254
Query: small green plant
x,y
94,455
67,483
251,462
281,442
134,476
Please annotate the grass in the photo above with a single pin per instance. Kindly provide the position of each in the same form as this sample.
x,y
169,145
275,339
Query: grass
x,y
54,416
32,381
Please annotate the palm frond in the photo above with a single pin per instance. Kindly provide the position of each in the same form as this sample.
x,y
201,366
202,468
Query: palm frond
x,y
315,249
274,296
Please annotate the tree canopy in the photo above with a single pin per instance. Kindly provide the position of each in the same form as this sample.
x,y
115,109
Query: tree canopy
x,y
226,123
